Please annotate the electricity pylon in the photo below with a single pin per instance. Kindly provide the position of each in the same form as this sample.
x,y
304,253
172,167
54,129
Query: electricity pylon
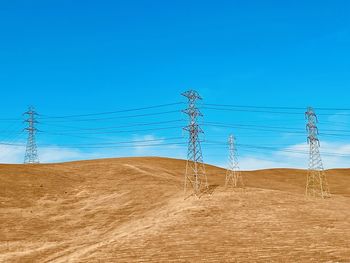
x,y
233,175
195,174
316,183
31,155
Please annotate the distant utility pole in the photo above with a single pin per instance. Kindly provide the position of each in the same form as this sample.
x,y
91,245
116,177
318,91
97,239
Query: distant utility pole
x,y
316,184
233,174
31,155
195,174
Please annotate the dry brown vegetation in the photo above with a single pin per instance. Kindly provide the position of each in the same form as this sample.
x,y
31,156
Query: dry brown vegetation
x,y
133,209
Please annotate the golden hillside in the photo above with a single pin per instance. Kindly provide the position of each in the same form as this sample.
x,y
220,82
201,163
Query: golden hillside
x,y
133,210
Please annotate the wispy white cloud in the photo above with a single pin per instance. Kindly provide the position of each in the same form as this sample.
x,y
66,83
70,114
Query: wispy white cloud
x,y
15,154
156,146
293,156
296,156
51,155
149,144
255,163
145,145
340,118
11,154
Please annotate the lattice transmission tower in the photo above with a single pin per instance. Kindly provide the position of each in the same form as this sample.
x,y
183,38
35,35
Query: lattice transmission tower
x,y
195,175
316,183
233,174
31,155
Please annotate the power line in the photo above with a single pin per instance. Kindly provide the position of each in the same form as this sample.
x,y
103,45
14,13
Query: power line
x,y
114,127
206,105
140,143
135,143
250,126
273,129
280,130
252,110
116,117
114,132
99,117
117,143
110,112
10,119
273,148
274,107
121,146
269,110
12,144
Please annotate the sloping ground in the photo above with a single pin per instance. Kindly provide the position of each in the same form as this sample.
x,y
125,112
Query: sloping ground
x,y
133,210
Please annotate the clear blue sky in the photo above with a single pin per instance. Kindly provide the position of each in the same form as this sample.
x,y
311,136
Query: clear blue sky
x,y
77,57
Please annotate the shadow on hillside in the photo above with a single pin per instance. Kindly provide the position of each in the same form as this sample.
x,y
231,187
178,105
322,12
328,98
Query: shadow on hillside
x,y
211,189
208,191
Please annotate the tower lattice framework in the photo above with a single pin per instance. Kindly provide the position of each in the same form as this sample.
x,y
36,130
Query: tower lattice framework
x,y
31,154
233,174
316,184
195,176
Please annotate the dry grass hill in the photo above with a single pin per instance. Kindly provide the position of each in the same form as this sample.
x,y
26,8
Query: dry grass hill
x,y
133,210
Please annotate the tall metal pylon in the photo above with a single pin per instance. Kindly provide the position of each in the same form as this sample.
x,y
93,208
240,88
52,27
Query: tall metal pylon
x,y
31,155
195,174
316,183
233,174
